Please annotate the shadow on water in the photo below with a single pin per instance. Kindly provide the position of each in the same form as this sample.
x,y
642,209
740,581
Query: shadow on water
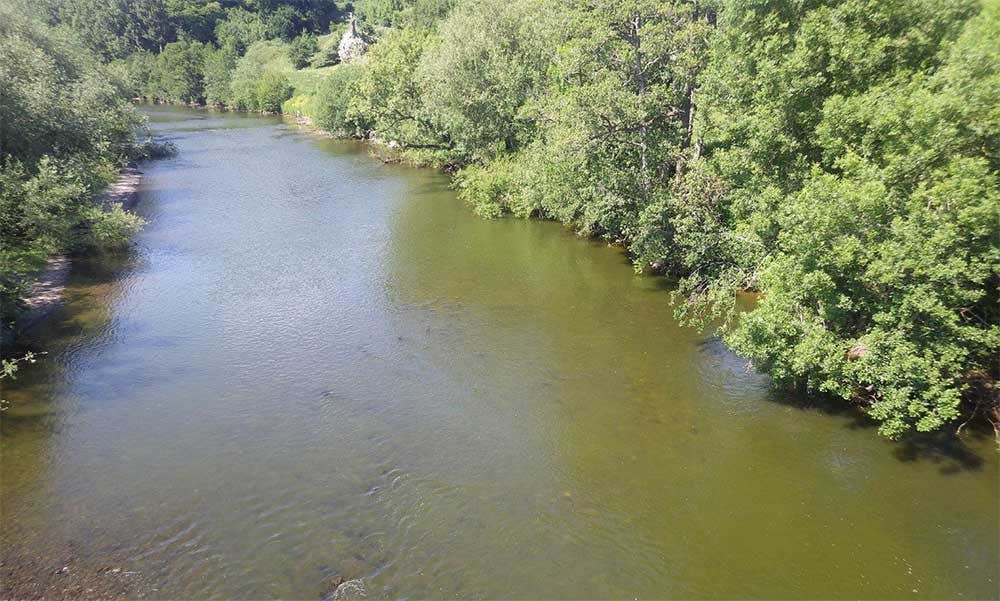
x,y
85,313
952,452
944,448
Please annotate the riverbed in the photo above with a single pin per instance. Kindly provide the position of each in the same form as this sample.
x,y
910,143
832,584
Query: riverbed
x,y
313,366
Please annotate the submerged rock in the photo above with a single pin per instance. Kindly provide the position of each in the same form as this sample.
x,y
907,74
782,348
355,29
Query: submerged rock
x,y
350,590
353,45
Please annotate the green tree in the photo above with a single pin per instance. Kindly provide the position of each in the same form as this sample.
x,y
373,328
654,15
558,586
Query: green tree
x,y
489,60
218,72
388,96
239,30
615,121
259,82
65,127
302,49
333,100
180,72
284,23
883,286
116,28
195,19
273,88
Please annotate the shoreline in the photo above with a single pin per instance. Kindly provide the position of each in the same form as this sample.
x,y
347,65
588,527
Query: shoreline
x,y
46,293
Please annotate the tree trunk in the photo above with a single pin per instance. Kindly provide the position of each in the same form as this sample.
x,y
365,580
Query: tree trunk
x,y
640,83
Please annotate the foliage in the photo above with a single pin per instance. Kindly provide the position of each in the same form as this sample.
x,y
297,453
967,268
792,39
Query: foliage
x,y
217,75
195,19
488,61
840,157
382,13
272,90
116,28
333,99
10,367
179,69
608,142
283,23
109,229
65,128
260,81
239,30
893,251
388,96
302,49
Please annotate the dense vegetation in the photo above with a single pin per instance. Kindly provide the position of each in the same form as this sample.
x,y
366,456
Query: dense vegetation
x,y
838,157
65,130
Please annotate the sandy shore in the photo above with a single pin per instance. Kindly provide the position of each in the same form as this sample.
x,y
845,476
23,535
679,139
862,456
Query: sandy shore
x,y
46,293
123,192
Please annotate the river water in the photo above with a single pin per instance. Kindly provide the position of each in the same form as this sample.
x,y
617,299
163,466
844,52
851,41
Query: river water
x,y
315,365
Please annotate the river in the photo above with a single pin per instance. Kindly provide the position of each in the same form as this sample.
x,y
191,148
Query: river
x,y
315,365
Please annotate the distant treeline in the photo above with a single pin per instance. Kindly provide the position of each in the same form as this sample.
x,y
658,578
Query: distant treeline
x,y
839,157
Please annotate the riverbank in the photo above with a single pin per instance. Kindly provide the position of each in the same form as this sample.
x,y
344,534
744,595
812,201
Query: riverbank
x,y
496,389
46,293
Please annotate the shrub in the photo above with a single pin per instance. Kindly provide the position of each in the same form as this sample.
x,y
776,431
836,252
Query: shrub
x,y
333,99
258,82
110,229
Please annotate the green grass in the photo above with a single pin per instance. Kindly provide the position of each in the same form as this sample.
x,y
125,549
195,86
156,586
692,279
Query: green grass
x,y
306,81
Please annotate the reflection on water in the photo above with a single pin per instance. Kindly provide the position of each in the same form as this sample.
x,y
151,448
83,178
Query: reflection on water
x,y
314,365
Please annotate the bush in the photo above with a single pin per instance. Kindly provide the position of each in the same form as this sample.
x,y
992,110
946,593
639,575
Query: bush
x,y
259,82
333,99
111,229
272,89
218,73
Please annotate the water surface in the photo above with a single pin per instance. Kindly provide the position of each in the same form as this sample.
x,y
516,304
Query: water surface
x,y
315,365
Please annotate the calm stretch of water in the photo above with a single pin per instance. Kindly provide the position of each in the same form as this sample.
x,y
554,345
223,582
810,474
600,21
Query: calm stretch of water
x,y
313,364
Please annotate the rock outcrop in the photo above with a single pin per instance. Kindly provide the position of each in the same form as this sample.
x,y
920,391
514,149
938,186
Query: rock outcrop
x,y
353,45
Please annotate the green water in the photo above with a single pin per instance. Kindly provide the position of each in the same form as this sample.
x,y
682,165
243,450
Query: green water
x,y
316,365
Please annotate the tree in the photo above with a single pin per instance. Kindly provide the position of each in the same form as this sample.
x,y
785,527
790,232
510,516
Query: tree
x,y
218,71
259,82
180,68
612,124
195,19
883,286
302,49
239,30
116,28
283,24
333,100
65,127
489,60
272,89
388,95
